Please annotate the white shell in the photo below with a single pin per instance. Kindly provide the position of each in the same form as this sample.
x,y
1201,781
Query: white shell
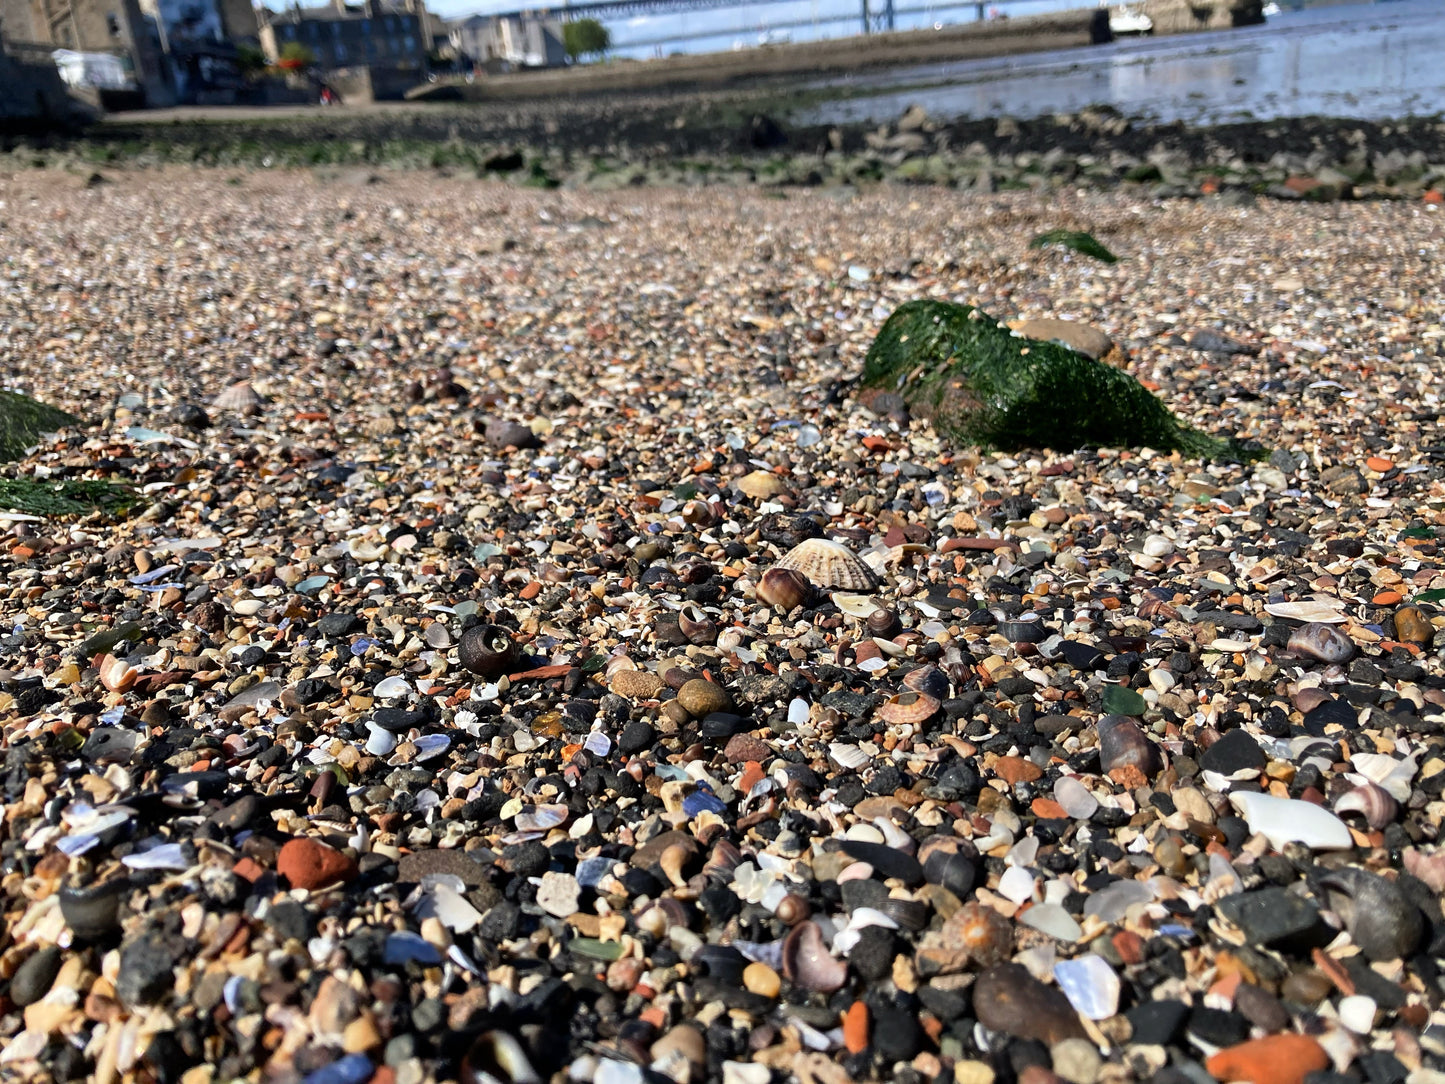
x,y
1325,611
830,564
1288,820
859,606
239,396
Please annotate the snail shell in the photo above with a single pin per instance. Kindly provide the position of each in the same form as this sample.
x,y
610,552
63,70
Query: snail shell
x,y
784,588
882,621
1372,802
1381,919
696,625
487,650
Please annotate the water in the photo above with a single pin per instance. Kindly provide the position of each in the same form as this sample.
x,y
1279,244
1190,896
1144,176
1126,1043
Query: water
x,y
1365,61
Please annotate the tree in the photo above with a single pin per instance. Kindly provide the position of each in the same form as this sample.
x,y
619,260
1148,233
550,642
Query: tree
x,y
295,56
585,37
250,60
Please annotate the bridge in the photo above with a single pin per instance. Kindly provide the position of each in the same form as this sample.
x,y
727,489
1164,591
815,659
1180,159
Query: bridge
x,y
875,16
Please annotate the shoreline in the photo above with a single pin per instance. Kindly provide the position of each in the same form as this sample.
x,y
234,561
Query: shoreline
x,y
745,139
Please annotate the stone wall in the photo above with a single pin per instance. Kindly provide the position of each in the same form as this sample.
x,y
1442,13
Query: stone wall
x,y
359,85
34,99
1187,16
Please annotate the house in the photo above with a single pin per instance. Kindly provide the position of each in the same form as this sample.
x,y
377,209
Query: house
x,y
174,50
502,42
375,34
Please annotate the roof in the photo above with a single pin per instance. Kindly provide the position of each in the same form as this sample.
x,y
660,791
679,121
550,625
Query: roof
x,y
329,13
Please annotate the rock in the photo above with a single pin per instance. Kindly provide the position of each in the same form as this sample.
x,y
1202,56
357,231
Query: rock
x,y
559,894
700,697
452,861
1380,919
759,978
1277,1059
887,861
1269,915
637,684
93,913
1091,986
502,434
1084,338
897,1034
742,748
1261,1008
1412,626
1006,998
33,978
635,738
1235,752
1077,1061
1123,744
1158,1023
308,864
147,966
685,1041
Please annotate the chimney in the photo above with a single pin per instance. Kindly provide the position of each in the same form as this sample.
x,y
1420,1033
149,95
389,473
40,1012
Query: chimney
x,y
369,8
339,6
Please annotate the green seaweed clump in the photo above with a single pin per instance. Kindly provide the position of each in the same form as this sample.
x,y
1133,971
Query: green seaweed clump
x,y
1084,243
23,419
981,383
66,498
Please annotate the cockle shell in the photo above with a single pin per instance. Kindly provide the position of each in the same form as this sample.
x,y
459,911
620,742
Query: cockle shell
x,y
760,485
239,397
928,680
907,707
830,564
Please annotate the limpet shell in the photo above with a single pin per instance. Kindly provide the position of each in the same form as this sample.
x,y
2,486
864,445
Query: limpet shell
x,y
830,564
760,485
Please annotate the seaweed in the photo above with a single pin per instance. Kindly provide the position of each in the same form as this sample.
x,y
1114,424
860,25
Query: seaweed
x,y
1084,243
981,383
23,419
66,498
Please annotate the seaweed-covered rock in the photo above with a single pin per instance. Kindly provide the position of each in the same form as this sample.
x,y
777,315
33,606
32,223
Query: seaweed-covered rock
x,y
979,382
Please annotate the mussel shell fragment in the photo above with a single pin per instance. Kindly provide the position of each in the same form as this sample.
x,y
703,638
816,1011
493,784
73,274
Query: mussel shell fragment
x,y
1380,918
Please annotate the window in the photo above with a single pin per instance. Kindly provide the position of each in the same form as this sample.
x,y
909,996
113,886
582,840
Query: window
x,y
340,51
390,24
336,29
289,33
112,24
410,43
366,26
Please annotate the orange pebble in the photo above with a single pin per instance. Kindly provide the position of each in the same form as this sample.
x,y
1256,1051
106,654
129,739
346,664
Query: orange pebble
x,y
1386,598
1378,463
1048,809
1279,1059
855,1028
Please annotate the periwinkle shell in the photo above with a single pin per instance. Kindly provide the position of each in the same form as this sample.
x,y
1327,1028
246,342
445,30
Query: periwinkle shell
x,y
487,650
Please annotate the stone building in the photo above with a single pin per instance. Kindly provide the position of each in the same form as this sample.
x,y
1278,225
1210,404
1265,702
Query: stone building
x,y
375,34
508,41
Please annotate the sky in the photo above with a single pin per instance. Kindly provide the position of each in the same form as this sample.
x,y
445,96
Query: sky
x,y
742,25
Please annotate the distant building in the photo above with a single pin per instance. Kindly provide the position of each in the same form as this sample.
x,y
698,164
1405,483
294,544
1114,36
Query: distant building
x,y
176,50
372,35
500,42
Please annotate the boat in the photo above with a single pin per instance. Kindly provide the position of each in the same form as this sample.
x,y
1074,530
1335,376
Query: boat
x,y
1126,21
1270,10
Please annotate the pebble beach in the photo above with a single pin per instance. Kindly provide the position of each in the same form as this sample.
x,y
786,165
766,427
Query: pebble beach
x,y
532,660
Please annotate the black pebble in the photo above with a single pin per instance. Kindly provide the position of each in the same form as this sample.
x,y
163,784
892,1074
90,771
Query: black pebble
x,y
636,737
1234,752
